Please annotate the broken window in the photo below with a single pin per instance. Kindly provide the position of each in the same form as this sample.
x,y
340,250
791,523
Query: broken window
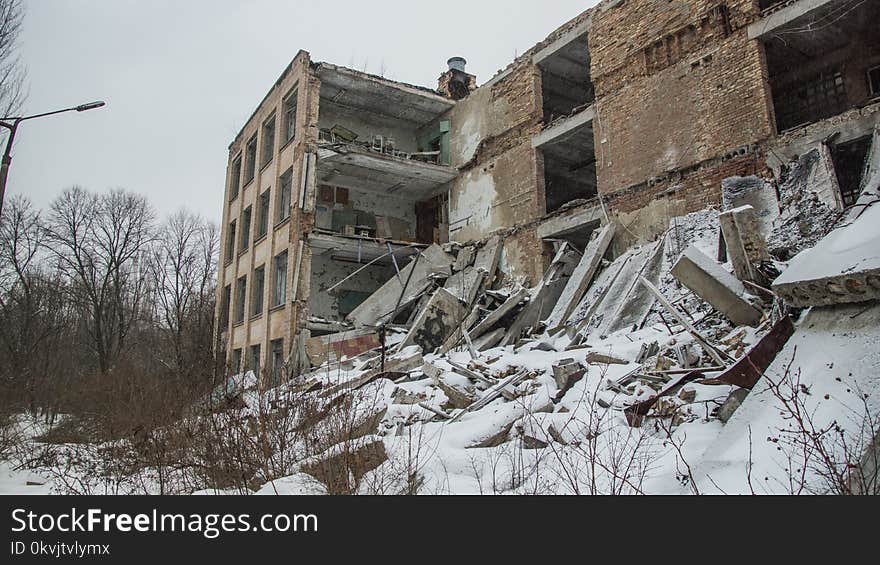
x,y
240,299
230,242
254,363
290,104
263,215
812,99
279,285
849,164
285,184
874,81
250,161
257,289
224,306
277,360
236,361
245,229
268,141
817,62
235,178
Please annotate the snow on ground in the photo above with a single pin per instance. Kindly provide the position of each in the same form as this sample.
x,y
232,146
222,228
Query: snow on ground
x,y
836,352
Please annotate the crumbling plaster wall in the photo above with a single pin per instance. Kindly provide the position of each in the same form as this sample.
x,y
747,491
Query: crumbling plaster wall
x,y
327,273
682,103
501,185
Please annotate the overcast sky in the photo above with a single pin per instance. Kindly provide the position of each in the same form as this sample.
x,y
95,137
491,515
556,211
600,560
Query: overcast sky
x,y
181,77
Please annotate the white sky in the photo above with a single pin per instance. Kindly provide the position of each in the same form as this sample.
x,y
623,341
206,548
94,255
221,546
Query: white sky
x,y
181,77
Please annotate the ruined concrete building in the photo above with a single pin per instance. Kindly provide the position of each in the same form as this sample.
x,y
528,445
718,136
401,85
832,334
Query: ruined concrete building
x,y
633,113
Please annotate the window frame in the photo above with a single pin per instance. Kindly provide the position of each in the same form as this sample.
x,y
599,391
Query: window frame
x,y
289,112
258,291
240,300
279,279
283,211
244,234
251,152
269,130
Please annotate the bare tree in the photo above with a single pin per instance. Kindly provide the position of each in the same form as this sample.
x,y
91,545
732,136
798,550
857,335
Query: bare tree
x,y
12,72
101,242
32,309
182,267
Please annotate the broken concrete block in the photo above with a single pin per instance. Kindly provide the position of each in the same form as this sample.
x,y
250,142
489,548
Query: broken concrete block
x,y
406,360
380,306
465,284
708,280
688,395
405,398
488,257
464,259
733,402
753,191
594,358
336,346
496,315
581,278
746,246
443,314
567,375
490,340
457,398
344,465
843,268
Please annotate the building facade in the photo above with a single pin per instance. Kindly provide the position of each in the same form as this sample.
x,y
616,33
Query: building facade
x,y
634,112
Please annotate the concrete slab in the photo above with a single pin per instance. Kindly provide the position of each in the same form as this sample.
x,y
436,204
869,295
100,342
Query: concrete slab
x,y
495,316
708,280
745,242
379,307
581,278
562,129
443,314
621,301
843,268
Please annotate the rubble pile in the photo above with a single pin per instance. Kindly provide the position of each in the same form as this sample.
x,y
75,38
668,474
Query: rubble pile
x,y
671,332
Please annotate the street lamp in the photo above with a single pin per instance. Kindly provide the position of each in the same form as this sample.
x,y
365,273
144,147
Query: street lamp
x,y
12,125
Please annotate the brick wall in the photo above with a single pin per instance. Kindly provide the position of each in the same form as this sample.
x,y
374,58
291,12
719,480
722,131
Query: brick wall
x,y
678,86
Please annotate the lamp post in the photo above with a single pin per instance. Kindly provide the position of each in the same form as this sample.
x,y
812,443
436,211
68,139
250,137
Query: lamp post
x,y
12,125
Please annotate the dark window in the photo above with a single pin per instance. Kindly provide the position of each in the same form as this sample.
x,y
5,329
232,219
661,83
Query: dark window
x,y
240,299
255,360
236,361
230,242
290,116
250,163
257,288
279,283
811,100
263,215
246,229
235,178
874,81
224,306
849,164
268,141
285,183
277,360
